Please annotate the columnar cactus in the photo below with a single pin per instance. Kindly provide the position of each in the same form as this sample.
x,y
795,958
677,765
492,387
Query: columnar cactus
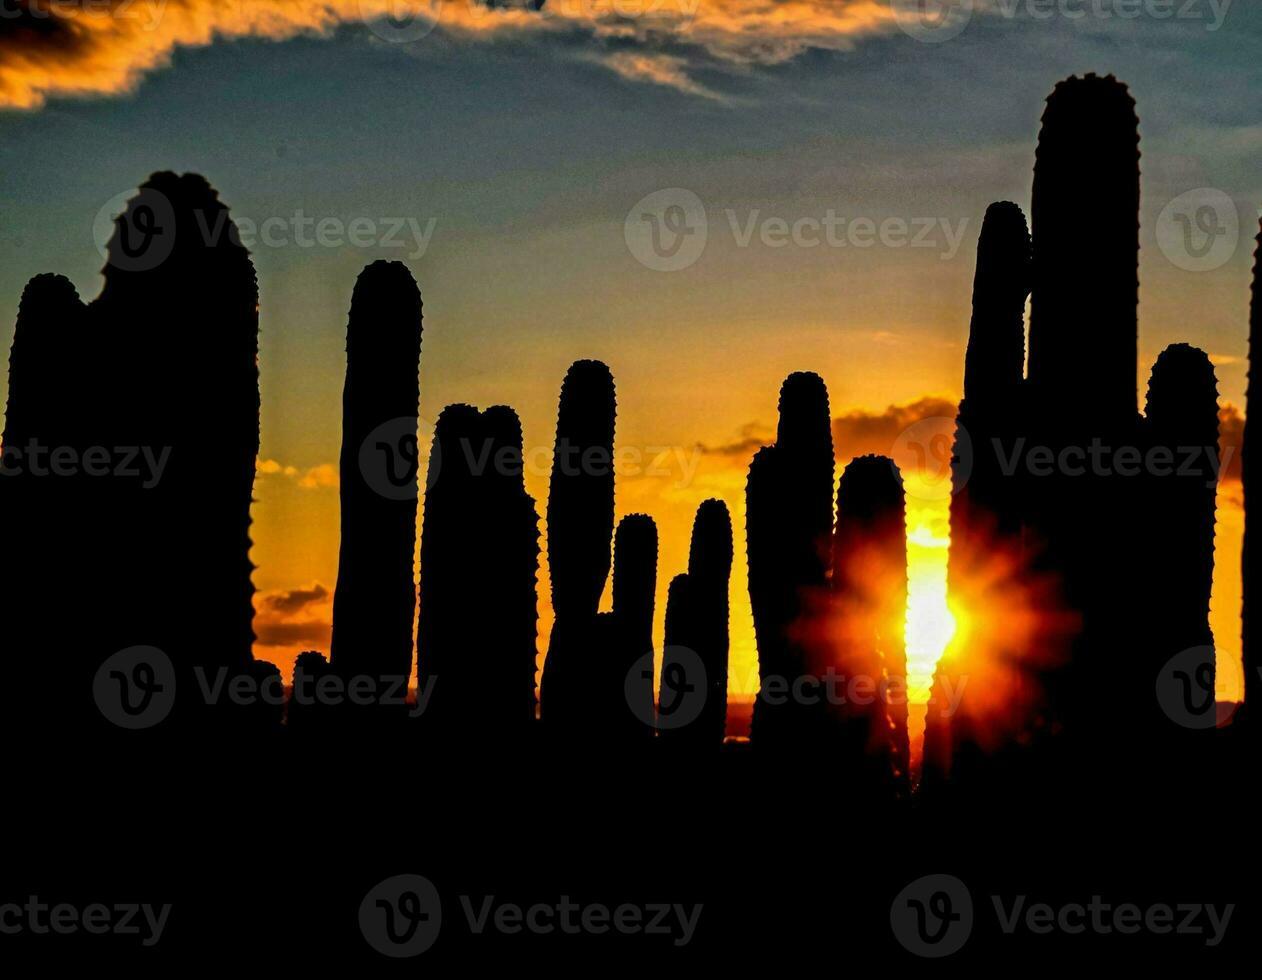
x,y
164,364
304,712
869,583
788,523
1182,416
634,586
374,606
45,518
1251,474
580,516
1080,526
986,502
710,571
479,544
1084,337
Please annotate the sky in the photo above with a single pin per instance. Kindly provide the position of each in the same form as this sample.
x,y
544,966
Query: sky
x,y
507,155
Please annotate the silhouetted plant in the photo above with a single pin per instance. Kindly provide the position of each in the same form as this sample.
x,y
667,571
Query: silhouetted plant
x,y
166,364
1181,415
1251,553
305,712
45,520
580,527
709,572
1082,389
634,586
869,584
788,525
479,557
374,606
986,501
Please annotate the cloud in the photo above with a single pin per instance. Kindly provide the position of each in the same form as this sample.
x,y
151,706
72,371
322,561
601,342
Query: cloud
x,y
293,600
294,617
318,477
859,432
105,47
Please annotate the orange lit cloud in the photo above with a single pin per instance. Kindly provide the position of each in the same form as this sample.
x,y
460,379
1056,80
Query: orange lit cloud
x,y
104,47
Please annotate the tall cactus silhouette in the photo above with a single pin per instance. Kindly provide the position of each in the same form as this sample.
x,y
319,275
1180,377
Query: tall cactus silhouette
x,y
788,525
697,637
1084,340
479,557
634,586
986,502
166,364
374,606
1082,387
1181,414
869,584
43,517
1251,475
580,517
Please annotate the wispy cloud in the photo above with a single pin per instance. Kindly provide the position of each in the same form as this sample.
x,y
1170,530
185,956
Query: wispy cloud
x,y
51,48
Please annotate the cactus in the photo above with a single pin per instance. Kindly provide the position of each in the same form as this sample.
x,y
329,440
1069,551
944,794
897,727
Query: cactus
x,y
1178,564
374,605
479,556
304,712
634,586
869,583
166,362
580,516
709,571
45,518
1251,557
788,525
1084,339
986,502
1080,528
